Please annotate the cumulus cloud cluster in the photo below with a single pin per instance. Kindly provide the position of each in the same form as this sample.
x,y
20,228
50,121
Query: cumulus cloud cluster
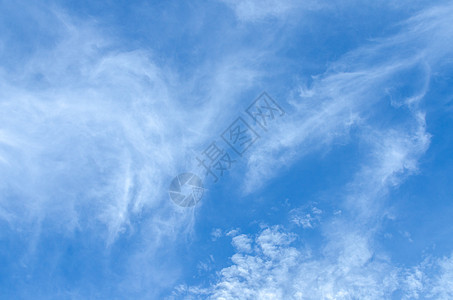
x,y
275,269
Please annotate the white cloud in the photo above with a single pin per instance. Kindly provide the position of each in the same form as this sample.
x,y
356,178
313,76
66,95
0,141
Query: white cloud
x,y
353,272
443,283
88,135
305,218
351,94
92,133
242,243
276,270
349,265
216,234
431,279
253,10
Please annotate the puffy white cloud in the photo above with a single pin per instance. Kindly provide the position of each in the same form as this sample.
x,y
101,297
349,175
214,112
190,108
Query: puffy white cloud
x,y
242,243
277,270
354,272
442,287
305,218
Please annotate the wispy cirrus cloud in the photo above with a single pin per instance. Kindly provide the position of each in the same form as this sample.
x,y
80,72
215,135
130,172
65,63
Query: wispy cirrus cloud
x,y
362,91
93,128
356,90
83,111
252,10
91,134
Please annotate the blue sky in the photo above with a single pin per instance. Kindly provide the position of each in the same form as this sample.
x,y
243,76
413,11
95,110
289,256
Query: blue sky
x,y
347,195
